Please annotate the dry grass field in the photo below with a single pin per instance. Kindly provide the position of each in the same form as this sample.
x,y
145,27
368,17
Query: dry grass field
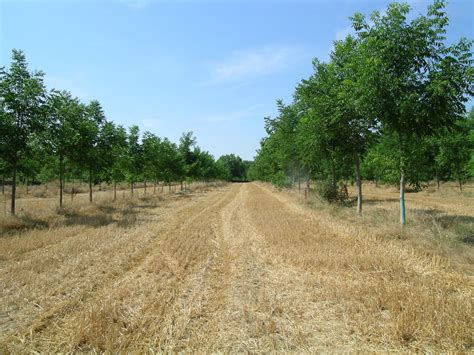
x,y
239,267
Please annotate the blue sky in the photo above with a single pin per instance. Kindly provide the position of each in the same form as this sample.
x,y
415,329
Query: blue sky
x,y
207,66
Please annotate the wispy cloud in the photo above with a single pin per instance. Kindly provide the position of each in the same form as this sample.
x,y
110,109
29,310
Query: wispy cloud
x,y
249,64
151,123
237,115
254,111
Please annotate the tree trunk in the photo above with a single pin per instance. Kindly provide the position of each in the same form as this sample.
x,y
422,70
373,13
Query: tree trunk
x,y
3,184
162,187
27,186
131,187
333,175
460,185
299,179
145,187
61,180
308,187
90,186
169,187
437,178
13,189
154,187
359,185
403,220
115,190
72,190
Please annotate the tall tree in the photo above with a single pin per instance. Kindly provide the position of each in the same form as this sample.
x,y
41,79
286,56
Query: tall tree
x,y
232,168
62,134
454,151
352,122
109,152
22,103
117,157
87,154
415,82
151,158
135,156
172,167
320,131
186,144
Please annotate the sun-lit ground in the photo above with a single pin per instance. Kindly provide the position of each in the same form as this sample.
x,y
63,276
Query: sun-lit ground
x,y
239,267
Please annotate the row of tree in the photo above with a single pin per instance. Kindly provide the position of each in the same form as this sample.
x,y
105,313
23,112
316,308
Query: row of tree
x,y
388,106
51,135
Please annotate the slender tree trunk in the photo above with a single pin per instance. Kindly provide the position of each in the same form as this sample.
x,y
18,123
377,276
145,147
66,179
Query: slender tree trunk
x,y
169,187
27,186
90,186
299,179
3,184
437,181
131,187
333,175
308,187
61,180
162,186
403,220
72,190
460,185
359,185
154,187
115,190
145,187
13,205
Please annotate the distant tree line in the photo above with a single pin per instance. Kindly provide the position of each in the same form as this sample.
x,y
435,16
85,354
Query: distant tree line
x,y
51,135
389,106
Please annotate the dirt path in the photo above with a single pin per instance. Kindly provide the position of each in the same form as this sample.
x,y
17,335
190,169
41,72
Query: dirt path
x,y
240,268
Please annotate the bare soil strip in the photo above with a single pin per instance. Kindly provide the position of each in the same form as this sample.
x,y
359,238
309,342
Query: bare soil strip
x,y
240,268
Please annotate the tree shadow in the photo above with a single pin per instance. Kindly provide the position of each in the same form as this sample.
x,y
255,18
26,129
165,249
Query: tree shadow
x,y
128,217
21,223
462,226
31,222
183,194
95,220
108,209
375,201
367,201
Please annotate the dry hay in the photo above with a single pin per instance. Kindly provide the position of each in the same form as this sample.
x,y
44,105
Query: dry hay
x,y
240,267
